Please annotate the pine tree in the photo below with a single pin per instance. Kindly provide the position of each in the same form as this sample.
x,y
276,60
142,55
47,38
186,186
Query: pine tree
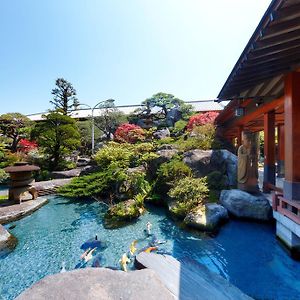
x,y
64,99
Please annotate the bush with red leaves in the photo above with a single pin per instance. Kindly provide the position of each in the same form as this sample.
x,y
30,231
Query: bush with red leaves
x,y
129,133
27,146
202,119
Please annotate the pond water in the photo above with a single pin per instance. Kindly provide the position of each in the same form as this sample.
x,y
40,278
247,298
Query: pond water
x,y
247,254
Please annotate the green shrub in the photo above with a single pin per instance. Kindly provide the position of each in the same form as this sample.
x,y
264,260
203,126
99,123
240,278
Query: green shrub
x,y
121,213
43,175
187,194
9,158
166,140
203,137
170,172
179,127
125,155
3,177
216,181
120,154
98,183
134,184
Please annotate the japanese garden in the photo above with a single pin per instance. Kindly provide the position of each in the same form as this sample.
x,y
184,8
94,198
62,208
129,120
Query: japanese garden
x,y
164,199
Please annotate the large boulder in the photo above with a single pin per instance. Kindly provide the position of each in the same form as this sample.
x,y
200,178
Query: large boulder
x,y
7,240
229,161
173,116
199,161
203,162
139,169
161,134
244,205
164,155
99,283
208,217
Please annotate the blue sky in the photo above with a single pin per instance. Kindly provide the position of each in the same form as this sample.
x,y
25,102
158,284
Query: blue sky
x,y
121,49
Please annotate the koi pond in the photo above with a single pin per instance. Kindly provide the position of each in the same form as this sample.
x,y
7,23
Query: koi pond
x,y
245,253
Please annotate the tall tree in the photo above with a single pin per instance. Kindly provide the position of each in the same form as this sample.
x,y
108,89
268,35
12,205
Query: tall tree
x,y
58,135
14,126
110,119
85,129
64,99
163,108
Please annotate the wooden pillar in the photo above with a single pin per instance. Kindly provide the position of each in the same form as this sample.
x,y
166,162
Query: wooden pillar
x,y
291,190
280,160
239,136
269,149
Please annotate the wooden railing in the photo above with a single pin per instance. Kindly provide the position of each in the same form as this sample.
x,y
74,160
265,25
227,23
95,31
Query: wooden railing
x,y
288,208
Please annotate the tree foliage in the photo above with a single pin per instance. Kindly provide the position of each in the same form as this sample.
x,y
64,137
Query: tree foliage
x,y
188,193
129,133
164,102
110,119
202,119
85,129
14,126
58,135
64,96
159,105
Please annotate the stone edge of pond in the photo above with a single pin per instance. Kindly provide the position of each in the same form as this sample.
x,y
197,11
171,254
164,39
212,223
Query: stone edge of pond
x,y
18,211
98,283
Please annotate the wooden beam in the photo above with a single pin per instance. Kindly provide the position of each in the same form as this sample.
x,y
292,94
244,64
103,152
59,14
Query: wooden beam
x,y
273,56
273,105
269,149
292,136
282,26
278,39
280,158
288,11
274,48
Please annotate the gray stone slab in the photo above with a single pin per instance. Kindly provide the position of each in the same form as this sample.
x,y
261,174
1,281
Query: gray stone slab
x,y
17,211
98,283
189,279
51,184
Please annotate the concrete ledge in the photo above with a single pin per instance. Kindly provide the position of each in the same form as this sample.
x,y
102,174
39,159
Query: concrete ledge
x,y
17,211
288,232
98,283
188,279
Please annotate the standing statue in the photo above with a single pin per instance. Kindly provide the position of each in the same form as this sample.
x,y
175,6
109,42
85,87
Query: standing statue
x,y
248,163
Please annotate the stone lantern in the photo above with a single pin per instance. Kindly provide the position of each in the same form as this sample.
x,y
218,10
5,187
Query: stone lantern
x,y
21,181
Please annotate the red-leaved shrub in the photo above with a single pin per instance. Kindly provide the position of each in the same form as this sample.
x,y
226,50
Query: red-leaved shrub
x,y
202,119
26,145
129,133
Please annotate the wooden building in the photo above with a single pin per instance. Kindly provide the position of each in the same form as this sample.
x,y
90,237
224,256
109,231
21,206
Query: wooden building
x,y
264,89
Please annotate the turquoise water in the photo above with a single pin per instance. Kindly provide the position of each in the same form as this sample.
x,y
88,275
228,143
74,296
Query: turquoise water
x,y
247,254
